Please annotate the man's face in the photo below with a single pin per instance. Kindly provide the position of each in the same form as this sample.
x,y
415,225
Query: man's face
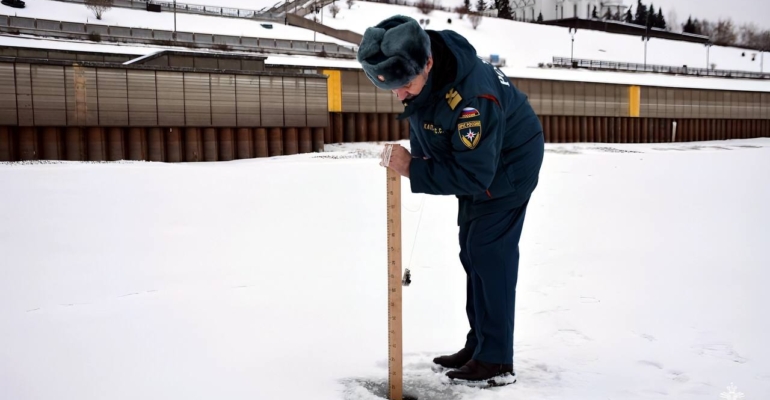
x,y
414,87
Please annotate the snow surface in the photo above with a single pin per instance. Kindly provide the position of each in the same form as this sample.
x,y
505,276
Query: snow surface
x,y
60,11
643,276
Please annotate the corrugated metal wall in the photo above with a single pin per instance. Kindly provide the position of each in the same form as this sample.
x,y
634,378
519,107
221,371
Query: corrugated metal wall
x,y
73,95
586,99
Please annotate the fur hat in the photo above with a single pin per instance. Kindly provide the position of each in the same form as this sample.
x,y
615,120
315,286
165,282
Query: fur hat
x,y
394,52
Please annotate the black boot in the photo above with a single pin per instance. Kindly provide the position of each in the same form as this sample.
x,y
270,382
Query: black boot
x,y
455,360
479,373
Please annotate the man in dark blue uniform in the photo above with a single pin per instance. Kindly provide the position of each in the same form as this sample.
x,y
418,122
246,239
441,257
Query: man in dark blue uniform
x,y
475,136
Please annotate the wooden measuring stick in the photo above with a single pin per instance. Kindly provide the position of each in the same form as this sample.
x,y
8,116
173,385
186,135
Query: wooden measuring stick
x,y
395,352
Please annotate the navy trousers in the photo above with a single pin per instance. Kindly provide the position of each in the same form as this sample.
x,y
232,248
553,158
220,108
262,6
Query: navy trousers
x,y
489,252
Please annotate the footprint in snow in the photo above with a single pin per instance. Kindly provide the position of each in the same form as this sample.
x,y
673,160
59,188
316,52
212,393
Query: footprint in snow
x,y
137,293
678,376
720,350
653,364
572,336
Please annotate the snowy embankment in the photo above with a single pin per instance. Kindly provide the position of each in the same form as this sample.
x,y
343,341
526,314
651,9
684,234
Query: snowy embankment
x,y
59,11
642,276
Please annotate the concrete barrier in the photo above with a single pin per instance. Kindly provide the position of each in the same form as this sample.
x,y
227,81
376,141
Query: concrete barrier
x,y
225,39
120,31
79,31
348,36
185,36
299,45
100,29
48,25
250,42
204,38
283,44
162,35
140,33
73,27
20,22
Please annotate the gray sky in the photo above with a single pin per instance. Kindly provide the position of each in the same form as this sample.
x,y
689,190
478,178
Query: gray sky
x,y
757,11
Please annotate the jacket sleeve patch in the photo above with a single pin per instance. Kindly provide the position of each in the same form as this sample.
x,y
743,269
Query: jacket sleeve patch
x,y
453,98
470,133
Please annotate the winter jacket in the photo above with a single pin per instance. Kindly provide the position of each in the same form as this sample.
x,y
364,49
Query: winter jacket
x,y
472,133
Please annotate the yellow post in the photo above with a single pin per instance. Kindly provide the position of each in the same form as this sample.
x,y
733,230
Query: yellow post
x,y
634,101
334,89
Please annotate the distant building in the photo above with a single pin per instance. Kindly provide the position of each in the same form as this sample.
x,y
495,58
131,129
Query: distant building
x,y
528,10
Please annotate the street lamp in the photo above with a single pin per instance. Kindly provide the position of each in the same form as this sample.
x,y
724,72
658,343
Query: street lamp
x,y
572,32
174,19
708,47
646,38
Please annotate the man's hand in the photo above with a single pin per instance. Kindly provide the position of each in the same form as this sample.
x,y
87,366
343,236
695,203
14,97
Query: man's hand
x,y
399,160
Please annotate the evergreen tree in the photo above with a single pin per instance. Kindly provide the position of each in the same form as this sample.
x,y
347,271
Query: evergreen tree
x,y
660,19
629,18
467,5
594,14
651,16
540,17
640,18
503,9
481,6
689,26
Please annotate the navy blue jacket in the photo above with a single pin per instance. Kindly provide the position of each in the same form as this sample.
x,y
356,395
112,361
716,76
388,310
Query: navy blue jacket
x,y
482,139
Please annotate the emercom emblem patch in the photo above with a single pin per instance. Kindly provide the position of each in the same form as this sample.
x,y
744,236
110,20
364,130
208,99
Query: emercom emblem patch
x,y
470,133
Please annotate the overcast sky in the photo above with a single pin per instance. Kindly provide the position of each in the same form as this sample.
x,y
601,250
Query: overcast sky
x,y
757,11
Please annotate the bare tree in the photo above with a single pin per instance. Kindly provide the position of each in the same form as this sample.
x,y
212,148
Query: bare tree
x,y
99,7
724,33
672,20
475,19
749,36
461,11
425,6
764,41
334,9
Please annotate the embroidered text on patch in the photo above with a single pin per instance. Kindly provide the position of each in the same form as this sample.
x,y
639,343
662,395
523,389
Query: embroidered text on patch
x,y
470,133
453,98
469,112
429,127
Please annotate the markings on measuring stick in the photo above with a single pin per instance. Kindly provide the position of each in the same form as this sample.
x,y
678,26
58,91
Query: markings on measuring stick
x,y
395,352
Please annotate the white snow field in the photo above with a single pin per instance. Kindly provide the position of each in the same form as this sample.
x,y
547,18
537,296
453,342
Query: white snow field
x,y
643,276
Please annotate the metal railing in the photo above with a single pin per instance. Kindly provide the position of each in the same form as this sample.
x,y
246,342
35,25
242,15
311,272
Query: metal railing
x,y
274,13
566,62
95,32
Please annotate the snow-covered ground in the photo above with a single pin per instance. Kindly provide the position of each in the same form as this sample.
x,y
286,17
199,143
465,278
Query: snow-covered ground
x,y
643,276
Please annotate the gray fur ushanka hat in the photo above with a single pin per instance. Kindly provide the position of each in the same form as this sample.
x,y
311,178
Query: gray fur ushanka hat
x,y
393,52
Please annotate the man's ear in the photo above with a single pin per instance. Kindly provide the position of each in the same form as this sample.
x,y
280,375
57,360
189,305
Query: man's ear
x,y
429,64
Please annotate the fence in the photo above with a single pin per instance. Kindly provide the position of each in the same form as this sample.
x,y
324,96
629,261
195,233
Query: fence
x,y
186,8
94,32
662,69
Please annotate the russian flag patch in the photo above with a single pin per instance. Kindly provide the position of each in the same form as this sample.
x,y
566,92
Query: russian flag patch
x,y
469,112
